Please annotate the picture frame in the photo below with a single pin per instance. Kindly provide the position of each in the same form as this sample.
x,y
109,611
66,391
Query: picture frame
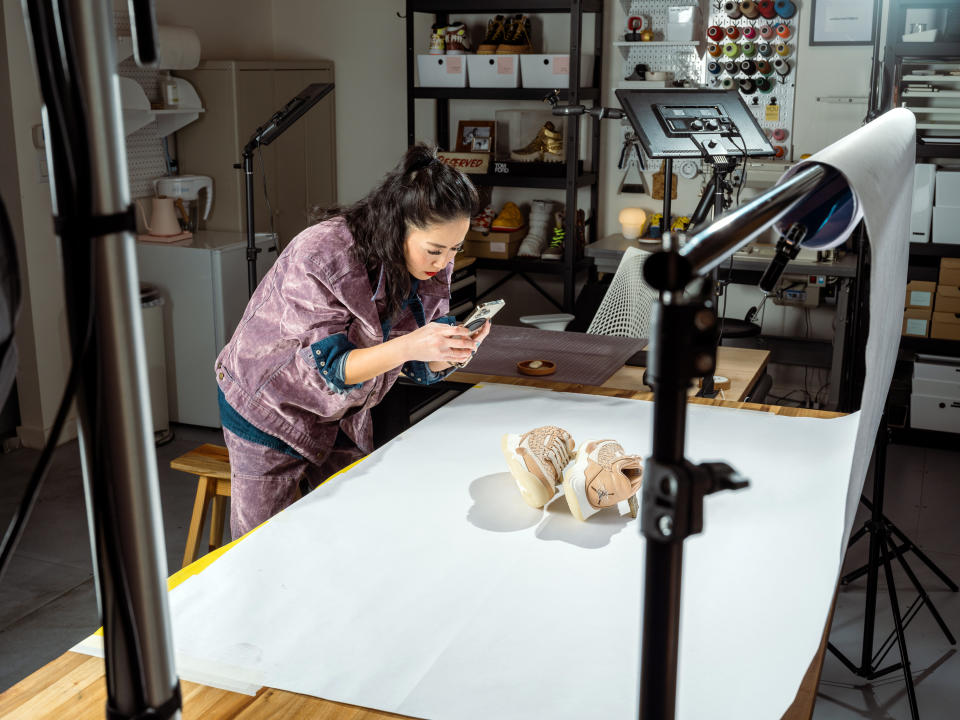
x,y
843,22
475,136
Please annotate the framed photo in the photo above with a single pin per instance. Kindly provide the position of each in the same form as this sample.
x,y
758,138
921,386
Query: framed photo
x,y
842,22
475,136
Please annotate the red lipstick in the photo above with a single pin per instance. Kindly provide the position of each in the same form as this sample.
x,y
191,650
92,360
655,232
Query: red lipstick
x,y
431,274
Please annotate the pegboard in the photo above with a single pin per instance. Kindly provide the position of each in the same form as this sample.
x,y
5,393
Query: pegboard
x,y
145,155
783,86
681,59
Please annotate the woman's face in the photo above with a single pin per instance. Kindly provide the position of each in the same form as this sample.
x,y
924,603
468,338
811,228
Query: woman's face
x,y
429,250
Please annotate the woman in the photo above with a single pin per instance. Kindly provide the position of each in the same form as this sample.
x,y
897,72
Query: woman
x,y
350,304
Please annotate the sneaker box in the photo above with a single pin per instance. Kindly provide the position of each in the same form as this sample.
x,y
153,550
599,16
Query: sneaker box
x,y
553,71
442,70
946,224
948,189
949,281
494,71
920,294
945,326
916,322
496,245
946,303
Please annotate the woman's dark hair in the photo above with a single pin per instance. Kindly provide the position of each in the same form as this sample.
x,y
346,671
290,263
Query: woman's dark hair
x,y
419,192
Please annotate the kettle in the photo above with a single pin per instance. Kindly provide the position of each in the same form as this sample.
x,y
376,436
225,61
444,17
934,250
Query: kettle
x,y
185,189
163,216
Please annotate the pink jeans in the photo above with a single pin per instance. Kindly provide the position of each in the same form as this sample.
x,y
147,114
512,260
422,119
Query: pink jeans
x,y
264,481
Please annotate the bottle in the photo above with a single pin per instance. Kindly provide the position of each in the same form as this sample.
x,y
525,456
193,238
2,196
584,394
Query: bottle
x,y
171,92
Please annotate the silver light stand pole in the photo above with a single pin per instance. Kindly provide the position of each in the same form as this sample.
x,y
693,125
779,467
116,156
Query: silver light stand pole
x,y
116,440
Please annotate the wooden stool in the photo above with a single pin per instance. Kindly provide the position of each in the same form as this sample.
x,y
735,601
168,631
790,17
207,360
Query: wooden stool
x,y
212,465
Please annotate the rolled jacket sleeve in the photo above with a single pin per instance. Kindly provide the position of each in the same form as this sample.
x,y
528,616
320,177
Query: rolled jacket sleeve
x,y
330,356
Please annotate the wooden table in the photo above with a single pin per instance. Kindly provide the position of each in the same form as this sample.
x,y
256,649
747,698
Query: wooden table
x,y
73,686
743,366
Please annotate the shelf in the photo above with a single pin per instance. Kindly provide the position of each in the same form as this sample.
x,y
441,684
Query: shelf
x,y
558,183
910,50
468,93
924,438
546,267
930,93
931,346
932,150
931,78
934,250
449,7
654,43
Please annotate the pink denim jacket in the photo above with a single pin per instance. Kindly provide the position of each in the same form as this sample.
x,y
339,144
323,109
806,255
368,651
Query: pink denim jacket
x,y
315,302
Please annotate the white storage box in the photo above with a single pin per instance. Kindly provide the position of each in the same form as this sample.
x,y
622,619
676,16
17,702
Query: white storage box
x,y
948,189
494,71
553,71
921,214
946,224
683,24
442,70
938,369
929,412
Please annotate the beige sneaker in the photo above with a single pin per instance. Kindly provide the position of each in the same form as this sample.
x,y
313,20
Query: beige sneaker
x,y
536,460
601,476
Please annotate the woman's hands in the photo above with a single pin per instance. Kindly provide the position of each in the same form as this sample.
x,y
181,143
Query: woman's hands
x,y
438,342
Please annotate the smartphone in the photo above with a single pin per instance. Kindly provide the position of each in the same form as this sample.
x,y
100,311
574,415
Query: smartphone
x,y
481,313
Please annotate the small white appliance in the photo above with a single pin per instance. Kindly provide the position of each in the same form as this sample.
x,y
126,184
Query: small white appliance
x,y
187,189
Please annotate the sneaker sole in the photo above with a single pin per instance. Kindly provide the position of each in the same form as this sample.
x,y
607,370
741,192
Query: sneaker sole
x,y
577,501
531,488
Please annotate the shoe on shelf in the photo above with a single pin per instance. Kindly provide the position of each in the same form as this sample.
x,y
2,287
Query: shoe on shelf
x,y
483,220
601,476
516,37
536,460
457,39
437,34
581,231
496,33
541,214
554,249
510,219
547,146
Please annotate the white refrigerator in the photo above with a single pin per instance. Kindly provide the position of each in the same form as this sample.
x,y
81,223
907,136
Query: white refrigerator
x,y
204,286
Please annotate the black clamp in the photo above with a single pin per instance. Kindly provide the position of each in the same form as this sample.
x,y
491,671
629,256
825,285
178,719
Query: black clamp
x,y
95,226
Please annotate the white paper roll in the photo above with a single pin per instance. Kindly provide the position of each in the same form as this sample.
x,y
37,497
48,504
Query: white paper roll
x,y
178,48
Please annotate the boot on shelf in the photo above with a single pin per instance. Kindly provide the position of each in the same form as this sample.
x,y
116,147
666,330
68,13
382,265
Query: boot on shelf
x,y
541,217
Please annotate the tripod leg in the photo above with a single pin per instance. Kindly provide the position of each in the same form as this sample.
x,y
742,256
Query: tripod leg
x,y
925,598
901,640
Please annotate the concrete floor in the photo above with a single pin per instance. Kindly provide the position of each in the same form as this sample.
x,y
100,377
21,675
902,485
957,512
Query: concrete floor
x,y
48,602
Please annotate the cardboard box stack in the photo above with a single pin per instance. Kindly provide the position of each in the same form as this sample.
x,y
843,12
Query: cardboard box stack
x,y
945,323
918,305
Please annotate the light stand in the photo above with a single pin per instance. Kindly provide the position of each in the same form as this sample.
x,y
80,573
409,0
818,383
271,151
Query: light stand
x,y
264,135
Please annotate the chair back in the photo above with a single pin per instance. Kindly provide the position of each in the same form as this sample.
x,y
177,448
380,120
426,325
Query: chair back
x,y
627,308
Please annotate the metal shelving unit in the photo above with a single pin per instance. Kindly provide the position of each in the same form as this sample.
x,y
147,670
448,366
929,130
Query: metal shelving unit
x,y
573,179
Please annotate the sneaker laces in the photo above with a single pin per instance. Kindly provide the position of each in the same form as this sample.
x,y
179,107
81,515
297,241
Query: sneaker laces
x,y
552,446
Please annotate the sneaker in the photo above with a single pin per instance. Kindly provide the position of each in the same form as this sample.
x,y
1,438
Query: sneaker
x,y
496,33
437,34
481,222
510,219
601,476
457,39
536,460
517,37
541,216
547,146
554,249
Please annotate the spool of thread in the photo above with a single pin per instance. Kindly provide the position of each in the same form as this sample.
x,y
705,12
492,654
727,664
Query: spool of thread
x,y
781,66
779,151
748,67
764,50
730,67
782,30
749,49
749,9
728,83
715,33
784,8
763,67
747,86
731,50
749,32
732,32
783,49
713,67
714,50
779,134
766,9
764,85
732,9
766,32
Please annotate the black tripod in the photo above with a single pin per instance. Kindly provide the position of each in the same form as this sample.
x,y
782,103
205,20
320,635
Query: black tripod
x,y
883,548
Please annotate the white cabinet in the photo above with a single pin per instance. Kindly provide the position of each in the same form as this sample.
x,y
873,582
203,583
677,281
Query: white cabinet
x,y
300,165
204,286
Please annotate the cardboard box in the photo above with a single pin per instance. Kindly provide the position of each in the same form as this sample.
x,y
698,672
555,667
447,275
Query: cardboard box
x,y
916,322
442,70
948,189
920,294
946,224
949,281
921,213
930,412
945,326
494,71
471,163
946,303
499,246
